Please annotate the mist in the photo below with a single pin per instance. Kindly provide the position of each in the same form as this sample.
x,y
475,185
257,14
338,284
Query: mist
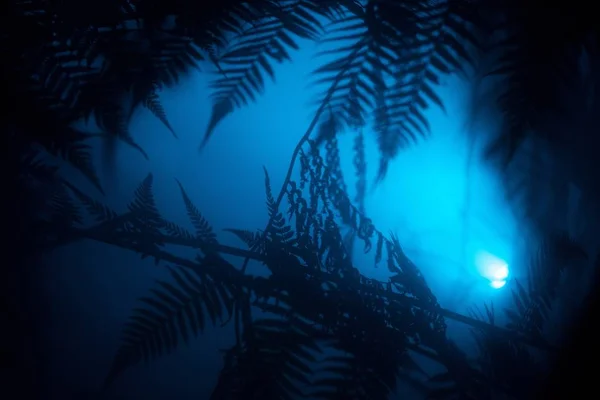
x,y
442,199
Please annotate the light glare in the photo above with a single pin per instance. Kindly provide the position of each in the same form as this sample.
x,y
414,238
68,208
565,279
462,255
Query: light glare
x,y
500,273
497,284
492,268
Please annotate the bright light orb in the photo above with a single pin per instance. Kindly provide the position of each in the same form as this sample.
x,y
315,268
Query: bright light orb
x,y
492,268
497,284
500,273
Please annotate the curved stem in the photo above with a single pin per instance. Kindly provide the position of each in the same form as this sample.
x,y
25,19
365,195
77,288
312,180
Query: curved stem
x,y
297,150
125,241
304,139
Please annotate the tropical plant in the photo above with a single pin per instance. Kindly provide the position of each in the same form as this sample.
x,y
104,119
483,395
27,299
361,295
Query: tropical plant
x,y
313,299
65,61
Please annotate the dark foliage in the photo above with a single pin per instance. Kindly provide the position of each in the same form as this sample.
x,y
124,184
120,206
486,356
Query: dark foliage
x,y
313,301
314,326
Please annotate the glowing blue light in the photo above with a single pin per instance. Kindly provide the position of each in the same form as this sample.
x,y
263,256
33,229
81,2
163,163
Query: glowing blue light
x,y
497,284
501,273
492,268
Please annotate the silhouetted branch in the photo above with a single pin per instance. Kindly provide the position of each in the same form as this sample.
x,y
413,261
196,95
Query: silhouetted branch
x,y
127,240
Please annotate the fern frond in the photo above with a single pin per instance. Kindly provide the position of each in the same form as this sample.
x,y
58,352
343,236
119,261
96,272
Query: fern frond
x,y
368,366
360,169
389,142
114,122
177,231
362,55
345,378
64,210
431,46
95,209
387,60
272,362
78,154
204,231
279,231
247,63
176,311
143,203
251,239
153,104
533,303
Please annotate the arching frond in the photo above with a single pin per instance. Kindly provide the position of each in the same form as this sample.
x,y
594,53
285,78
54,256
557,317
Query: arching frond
x,y
175,311
249,60
273,361
204,231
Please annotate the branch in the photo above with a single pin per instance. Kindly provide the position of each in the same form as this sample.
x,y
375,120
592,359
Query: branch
x,y
301,143
126,240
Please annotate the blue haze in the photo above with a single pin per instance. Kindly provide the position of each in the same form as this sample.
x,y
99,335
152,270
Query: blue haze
x,y
89,289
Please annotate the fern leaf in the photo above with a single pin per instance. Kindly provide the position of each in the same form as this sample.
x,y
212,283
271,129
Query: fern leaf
x,y
176,230
204,231
64,210
144,203
278,230
361,59
175,311
251,239
532,305
360,165
153,104
406,44
78,155
98,211
271,203
113,120
274,360
248,62
348,377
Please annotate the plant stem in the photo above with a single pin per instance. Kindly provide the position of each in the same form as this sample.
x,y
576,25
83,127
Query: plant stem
x,y
304,139
124,240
